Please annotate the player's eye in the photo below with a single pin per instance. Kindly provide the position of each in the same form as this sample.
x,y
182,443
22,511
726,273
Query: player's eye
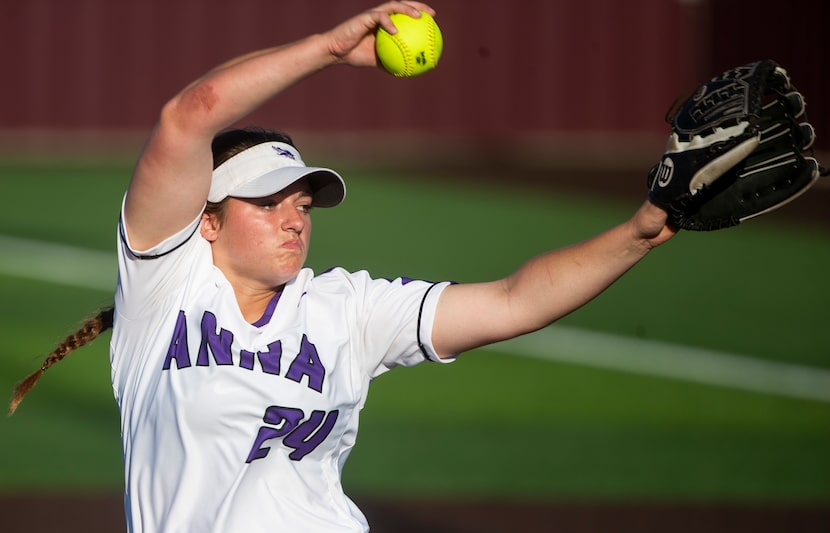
x,y
266,203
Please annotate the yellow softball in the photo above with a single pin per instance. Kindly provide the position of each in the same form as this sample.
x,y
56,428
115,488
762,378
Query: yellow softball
x,y
415,49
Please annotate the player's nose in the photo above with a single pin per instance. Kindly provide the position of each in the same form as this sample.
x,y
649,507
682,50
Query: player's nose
x,y
293,220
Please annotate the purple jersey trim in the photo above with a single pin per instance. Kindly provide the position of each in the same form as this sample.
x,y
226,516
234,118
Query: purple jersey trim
x,y
269,311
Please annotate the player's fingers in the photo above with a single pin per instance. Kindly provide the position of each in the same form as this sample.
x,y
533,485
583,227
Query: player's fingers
x,y
382,14
420,6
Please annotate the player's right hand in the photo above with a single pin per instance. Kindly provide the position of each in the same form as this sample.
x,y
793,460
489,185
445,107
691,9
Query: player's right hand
x,y
352,42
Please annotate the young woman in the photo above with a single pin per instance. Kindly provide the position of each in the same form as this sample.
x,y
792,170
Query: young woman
x,y
240,373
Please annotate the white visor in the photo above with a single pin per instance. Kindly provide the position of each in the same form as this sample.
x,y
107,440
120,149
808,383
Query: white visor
x,y
270,167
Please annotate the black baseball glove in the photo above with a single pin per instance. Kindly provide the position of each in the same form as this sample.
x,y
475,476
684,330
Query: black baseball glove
x,y
736,150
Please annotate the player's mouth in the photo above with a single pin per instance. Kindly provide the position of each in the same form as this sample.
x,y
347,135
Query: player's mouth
x,y
292,244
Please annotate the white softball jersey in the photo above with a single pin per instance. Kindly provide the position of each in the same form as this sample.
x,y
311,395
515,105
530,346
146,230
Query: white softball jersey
x,y
229,426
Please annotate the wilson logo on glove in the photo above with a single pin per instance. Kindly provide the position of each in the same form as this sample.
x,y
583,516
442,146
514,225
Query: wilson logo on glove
x,y
664,172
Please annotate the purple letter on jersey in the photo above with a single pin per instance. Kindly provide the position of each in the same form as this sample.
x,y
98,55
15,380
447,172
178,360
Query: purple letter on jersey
x,y
219,343
178,345
308,364
269,360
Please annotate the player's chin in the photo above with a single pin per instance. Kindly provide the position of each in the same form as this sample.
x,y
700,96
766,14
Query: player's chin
x,y
289,266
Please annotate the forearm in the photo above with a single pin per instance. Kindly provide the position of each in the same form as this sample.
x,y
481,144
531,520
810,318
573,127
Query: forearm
x,y
235,89
559,282
555,284
545,288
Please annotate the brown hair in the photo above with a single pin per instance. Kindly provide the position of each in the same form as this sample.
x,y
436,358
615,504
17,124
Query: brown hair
x,y
224,146
87,333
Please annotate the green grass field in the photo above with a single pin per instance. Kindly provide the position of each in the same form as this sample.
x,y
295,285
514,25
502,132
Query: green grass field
x,y
495,422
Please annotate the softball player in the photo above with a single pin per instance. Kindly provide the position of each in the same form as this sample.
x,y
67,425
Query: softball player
x,y
240,373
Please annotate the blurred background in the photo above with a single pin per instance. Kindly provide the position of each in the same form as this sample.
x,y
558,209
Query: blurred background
x,y
596,76
562,100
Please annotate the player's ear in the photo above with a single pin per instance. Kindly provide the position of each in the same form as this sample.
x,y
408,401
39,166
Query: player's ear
x,y
209,226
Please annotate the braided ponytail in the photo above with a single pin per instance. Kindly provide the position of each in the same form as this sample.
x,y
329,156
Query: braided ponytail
x,y
87,333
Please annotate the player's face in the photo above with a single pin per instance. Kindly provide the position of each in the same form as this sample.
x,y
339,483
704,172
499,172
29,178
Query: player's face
x,y
263,242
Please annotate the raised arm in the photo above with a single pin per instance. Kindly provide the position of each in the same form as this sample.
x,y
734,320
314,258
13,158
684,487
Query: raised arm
x,y
545,288
171,180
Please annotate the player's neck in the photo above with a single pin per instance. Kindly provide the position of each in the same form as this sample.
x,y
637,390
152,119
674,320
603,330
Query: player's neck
x,y
255,305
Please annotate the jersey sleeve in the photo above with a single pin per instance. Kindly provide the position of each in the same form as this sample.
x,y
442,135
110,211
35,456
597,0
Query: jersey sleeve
x,y
394,321
403,327
148,277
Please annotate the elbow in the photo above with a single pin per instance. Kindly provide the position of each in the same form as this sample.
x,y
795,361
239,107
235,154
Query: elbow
x,y
192,109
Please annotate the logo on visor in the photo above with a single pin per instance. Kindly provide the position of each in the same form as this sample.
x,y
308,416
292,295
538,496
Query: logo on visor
x,y
284,152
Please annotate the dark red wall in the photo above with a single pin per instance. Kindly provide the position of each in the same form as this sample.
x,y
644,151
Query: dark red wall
x,y
561,65
793,33
526,65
